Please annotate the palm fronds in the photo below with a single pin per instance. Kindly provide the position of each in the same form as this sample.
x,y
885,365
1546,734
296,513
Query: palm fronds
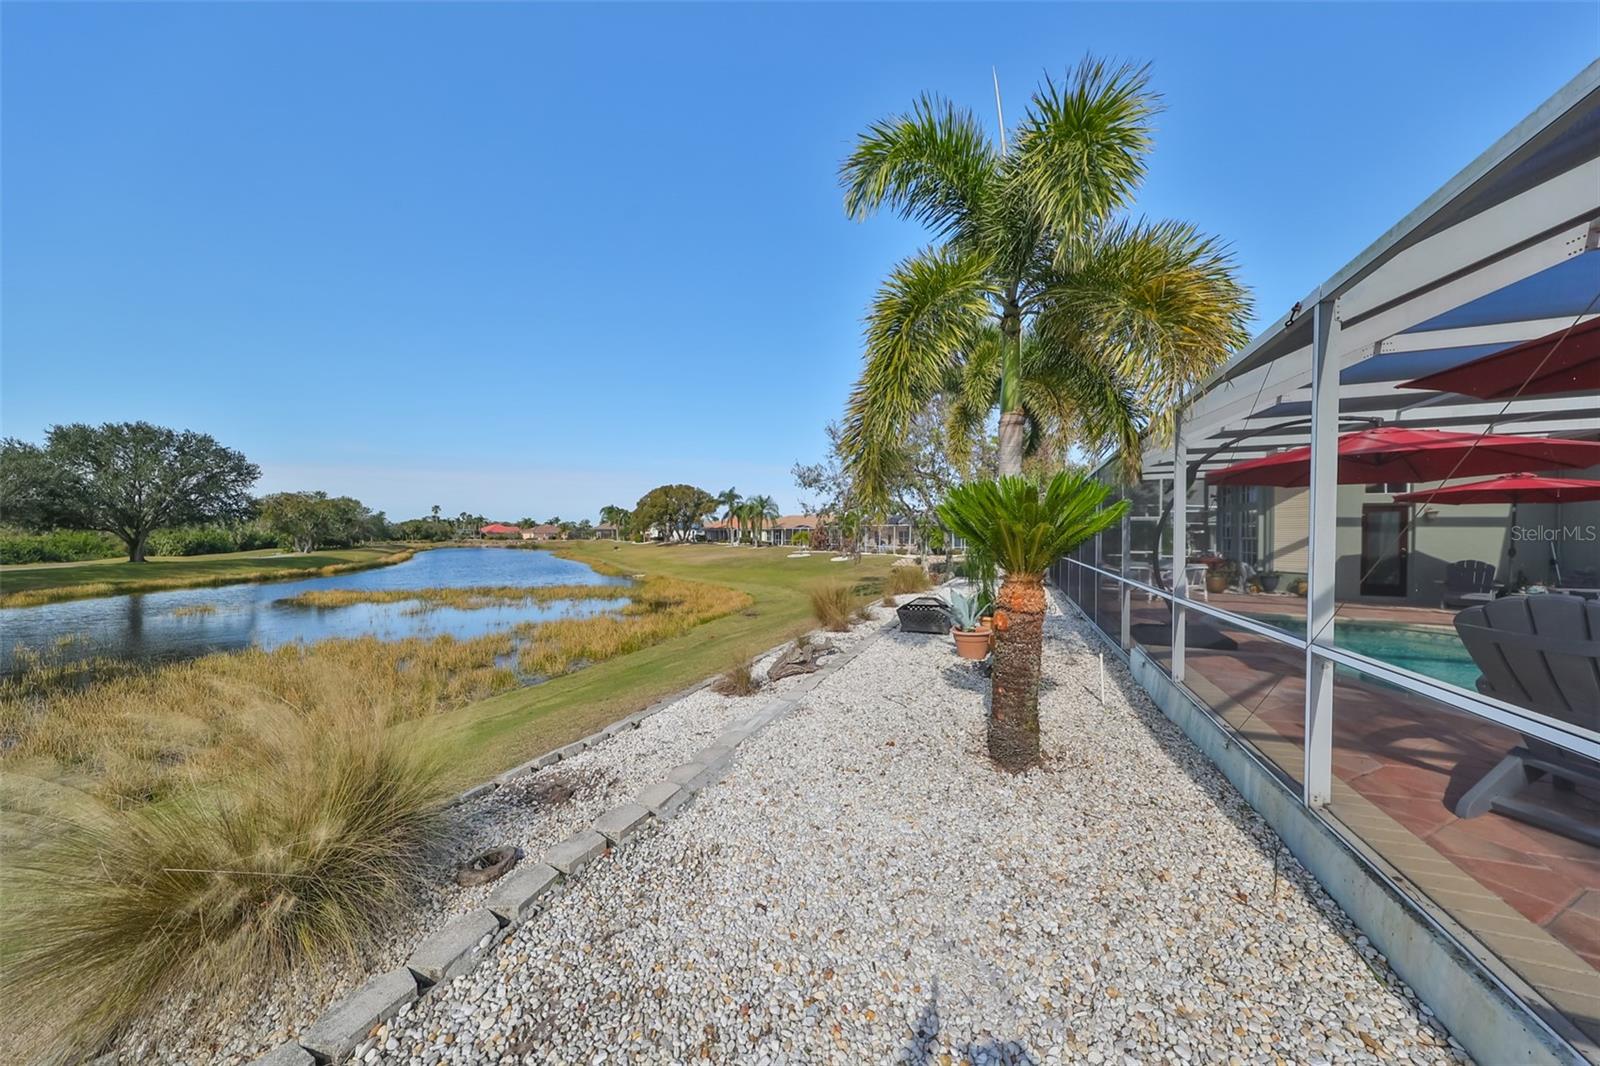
x,y
1025,525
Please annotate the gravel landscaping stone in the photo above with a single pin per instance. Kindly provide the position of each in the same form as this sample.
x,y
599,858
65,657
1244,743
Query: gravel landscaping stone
x,y
863,886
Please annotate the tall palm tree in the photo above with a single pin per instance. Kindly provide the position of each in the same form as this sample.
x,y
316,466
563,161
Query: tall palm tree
x,y
1040,297
1024,527
762,508
729,500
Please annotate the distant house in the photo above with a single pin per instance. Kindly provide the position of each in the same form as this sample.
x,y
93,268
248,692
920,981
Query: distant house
x,y
543,531
500,529
606,531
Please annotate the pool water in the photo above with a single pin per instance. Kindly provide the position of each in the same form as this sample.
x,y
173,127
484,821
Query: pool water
x,y
1433,651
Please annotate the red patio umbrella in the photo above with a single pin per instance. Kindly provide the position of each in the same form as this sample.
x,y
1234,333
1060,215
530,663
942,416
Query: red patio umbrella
x,y
1390,453
1563,361
1517,488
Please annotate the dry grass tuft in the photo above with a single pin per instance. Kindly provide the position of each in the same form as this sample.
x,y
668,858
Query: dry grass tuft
x,y
739,679
903,580
832,604
301,857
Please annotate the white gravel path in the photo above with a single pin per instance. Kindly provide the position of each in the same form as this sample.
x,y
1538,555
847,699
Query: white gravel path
x,y
864,887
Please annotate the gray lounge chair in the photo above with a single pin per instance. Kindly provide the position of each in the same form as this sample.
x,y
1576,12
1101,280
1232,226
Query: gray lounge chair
x,y
1468,582
1542,653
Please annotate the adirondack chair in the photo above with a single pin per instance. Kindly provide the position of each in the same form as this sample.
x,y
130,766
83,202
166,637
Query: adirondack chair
x,y
1541,652
1468,582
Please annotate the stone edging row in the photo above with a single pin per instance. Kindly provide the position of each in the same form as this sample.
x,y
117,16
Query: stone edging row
x,y
457,947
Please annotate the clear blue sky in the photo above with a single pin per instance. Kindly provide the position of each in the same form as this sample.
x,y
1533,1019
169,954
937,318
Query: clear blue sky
x,y
535,259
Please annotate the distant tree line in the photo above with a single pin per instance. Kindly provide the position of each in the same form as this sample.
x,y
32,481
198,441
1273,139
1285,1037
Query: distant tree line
x,y
148,490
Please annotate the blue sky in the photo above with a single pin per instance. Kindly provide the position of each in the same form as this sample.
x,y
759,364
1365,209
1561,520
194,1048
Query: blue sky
x,y
529,260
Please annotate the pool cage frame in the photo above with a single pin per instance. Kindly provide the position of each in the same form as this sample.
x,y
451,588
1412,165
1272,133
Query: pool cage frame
x,y
1530,203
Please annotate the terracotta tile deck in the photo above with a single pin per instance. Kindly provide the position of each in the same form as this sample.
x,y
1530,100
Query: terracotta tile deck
x,y
1401,762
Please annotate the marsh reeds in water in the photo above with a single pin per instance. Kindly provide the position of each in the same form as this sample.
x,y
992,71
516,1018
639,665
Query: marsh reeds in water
x,y
469,598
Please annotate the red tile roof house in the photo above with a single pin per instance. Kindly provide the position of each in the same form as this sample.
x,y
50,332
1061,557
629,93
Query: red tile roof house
x,y
500,529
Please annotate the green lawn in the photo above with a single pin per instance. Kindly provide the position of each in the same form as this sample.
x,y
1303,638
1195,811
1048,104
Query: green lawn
x,y
44,582
487,737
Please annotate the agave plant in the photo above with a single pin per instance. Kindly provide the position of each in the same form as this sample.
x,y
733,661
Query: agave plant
x,y
964,611
1024,526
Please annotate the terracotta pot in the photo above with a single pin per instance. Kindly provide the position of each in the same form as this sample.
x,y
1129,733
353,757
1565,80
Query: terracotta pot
x,y
1216,582
973,644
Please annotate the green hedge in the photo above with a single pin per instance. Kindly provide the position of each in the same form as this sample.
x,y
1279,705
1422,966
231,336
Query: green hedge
x,y
60,546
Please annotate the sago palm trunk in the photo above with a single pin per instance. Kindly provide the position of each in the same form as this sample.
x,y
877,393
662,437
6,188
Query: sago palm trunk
x,y
1014,681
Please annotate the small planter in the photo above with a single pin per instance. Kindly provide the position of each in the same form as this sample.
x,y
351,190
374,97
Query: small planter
x,y
1216,582
973,643
1269,582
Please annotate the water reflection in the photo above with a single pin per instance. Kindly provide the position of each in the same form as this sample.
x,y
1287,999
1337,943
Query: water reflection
x,y
189,622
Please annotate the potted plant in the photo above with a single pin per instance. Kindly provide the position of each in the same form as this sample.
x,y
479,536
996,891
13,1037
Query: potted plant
x,y
1221,575
1268,580
1298,586
972,636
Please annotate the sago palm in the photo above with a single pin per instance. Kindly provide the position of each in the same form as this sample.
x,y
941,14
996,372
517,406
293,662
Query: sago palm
x,y
1024,526
1039,298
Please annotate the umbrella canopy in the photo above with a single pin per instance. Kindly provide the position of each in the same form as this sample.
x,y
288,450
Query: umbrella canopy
x,y
1563,361
1517,488
1389,453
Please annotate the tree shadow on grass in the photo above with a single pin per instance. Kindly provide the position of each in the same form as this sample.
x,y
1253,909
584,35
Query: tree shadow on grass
x,y
923,1048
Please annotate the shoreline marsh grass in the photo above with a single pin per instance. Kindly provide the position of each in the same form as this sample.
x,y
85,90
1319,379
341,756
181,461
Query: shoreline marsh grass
x,y
472,597
134,733
152,581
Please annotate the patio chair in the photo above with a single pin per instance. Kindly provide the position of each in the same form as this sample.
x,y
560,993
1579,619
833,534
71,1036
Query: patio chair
x,y
1468,582
1541,652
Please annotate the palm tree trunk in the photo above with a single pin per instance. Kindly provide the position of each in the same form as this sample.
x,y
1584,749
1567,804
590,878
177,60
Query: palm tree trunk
x,y
1011,417
1019,647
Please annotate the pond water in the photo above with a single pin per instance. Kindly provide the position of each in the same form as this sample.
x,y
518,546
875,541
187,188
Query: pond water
x,y
158,625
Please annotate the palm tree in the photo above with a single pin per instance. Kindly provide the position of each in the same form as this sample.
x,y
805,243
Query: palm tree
x,y
616,516
762,508
1024,526
1039,298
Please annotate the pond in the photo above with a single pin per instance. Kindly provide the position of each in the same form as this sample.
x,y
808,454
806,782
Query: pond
x,y
190,622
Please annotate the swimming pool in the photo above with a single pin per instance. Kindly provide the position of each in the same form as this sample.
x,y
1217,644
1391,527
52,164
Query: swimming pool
x,y
1434,651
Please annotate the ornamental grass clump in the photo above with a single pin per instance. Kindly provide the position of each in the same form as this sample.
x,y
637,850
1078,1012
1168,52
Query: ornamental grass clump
x,y
904,580
1024,526
739,679
832,604
300,856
